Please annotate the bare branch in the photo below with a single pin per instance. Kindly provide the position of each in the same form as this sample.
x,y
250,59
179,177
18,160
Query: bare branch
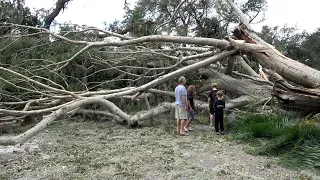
x,y
37,83
104,113
172,16
242,17
60,4
176,73
109,33
258,79
246,67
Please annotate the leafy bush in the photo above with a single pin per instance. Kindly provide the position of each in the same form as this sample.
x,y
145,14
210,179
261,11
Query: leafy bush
x,y
294,140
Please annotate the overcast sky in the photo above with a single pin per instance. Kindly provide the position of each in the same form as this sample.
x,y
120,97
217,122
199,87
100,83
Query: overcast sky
x,y
96,12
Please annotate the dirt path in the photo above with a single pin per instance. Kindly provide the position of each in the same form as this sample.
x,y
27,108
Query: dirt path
x,y
90,150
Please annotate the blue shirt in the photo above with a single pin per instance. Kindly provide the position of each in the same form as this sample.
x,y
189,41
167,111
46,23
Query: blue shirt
x,y
179,92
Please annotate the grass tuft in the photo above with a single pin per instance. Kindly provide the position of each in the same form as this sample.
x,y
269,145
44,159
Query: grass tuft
x,y
294,140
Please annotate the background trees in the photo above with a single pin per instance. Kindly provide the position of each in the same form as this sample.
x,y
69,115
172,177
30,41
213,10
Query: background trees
x,y
297,45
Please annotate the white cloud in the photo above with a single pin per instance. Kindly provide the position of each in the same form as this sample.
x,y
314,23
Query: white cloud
x,y
293,12
84,12
95,12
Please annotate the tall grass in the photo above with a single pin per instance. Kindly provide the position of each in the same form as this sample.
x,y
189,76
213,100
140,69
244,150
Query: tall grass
x,y
294,140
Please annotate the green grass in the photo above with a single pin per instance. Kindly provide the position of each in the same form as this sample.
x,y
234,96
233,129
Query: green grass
x,y
295,141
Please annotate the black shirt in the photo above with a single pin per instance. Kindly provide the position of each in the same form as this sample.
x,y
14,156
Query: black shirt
x,y
219,105
190,99
212,95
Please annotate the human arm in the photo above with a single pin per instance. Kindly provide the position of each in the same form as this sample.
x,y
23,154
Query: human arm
x,y
209,98
184,98
189,102
189,105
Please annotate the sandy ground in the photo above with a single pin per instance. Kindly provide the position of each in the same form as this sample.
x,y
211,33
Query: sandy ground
x,y
104,150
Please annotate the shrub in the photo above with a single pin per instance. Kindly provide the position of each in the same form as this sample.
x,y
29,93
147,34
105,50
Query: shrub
x,y
294,140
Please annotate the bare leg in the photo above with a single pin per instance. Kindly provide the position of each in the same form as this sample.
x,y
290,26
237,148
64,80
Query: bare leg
x,y
178,126
211,119
182,131
188,123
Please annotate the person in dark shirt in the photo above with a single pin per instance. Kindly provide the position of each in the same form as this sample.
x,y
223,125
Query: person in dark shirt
x,y
219,105
211,98
190,104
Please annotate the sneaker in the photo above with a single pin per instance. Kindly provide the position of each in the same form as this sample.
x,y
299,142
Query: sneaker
x,y
217,133
190,129
222,133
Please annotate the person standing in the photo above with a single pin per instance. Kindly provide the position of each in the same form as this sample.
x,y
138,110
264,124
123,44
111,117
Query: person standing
x,y
190,104
181,106
219,105
211,98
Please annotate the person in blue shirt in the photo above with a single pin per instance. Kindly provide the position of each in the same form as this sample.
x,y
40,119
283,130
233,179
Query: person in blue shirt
x,y
181,107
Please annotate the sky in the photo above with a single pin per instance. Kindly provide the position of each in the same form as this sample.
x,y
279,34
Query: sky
x,y
95,12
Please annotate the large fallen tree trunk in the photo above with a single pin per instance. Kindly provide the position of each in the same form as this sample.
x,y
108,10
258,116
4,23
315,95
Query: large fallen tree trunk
x,y
306,100
305,103
235,86
272,59
295,98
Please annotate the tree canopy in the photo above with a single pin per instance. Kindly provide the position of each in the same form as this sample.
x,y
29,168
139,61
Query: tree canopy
x,y
205,18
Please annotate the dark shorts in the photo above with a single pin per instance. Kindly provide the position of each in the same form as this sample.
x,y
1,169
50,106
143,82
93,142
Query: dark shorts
x,y
191,115
212,111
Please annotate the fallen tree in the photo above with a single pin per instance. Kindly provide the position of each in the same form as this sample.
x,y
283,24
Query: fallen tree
x,y
148,75
302,99
271,58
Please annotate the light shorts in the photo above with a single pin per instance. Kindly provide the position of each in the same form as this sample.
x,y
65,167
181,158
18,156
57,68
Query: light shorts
x,y
180,112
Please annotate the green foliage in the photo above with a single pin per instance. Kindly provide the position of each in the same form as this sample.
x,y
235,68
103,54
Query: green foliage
x,y
203,118
297,45
296,141
260,126
254,5
210,28
192,17
14,11
136,22
310,49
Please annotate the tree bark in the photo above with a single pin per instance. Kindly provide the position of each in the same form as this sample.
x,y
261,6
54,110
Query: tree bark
x,y
230,66
247,68
235,86
295,98
271,58
60,4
